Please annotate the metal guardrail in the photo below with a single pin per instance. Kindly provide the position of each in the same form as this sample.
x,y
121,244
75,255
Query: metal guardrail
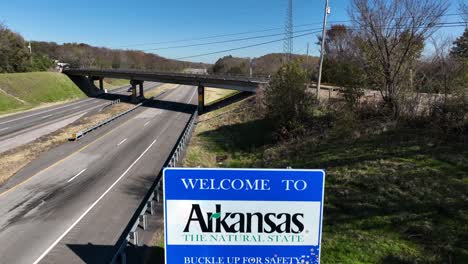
x,y
139,219
113,103
255,78
81,133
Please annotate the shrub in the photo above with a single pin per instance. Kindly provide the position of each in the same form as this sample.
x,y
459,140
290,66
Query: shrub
x,y
288,103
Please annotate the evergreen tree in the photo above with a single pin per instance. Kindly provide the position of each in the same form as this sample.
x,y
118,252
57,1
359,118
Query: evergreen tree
x,y
460,48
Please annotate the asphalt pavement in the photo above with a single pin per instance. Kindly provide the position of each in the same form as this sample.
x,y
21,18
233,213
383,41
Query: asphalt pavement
x,y
74,209
18,129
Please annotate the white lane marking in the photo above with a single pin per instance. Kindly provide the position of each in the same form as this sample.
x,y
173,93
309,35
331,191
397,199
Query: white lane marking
x,y
92,205
121,142
44,117
79,173
76,107
146,123
5,128
66,105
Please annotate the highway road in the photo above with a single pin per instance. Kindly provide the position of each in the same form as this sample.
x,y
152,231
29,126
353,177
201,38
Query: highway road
x,y
75,206
22,128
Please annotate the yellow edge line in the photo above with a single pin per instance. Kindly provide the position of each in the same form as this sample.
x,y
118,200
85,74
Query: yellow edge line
x,y
63,159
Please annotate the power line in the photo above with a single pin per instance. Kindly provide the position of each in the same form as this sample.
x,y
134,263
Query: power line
x,y
245,47
249,32
442,25
225,41
222,35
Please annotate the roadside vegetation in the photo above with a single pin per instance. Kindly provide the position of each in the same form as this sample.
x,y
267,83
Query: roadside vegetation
x,y
394,193
21,91
397,165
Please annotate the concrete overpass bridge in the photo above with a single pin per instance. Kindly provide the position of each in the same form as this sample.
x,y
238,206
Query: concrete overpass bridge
x,y
137,77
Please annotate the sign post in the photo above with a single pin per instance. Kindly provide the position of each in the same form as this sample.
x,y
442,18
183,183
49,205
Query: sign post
x,y
243,216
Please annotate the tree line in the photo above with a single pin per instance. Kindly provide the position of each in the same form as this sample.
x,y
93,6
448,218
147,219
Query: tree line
x,y
268,64
15,56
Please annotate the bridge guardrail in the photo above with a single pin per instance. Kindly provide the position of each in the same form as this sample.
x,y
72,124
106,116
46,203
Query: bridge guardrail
x,y
130,234
81,133
255,78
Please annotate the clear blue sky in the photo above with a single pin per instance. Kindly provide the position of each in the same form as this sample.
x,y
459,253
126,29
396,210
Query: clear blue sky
x,y
118,23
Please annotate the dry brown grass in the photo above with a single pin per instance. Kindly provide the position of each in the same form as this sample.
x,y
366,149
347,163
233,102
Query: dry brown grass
x,y
161,89
15,159
214,94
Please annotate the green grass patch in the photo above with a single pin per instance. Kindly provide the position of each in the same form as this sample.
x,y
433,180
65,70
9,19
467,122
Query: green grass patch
x,y
27,90
7,102
398,196
111,84
214,95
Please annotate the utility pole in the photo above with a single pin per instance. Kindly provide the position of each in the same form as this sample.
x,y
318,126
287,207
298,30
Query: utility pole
x,y
322,51
250,67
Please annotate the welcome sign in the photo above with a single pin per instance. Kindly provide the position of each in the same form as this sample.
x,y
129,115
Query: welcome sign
x,y
243,216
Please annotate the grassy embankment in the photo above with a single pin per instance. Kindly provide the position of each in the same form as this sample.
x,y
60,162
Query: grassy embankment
x,y
21,91
111,84
213,95
398,196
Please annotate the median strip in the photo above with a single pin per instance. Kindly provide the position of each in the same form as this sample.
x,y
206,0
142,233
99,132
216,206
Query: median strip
x,y
80,134
11,161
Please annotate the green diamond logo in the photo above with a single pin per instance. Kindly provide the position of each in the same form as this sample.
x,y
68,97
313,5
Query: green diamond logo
x,y
215,215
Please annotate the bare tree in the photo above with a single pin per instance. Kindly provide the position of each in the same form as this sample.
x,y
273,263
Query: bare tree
x,y
391,37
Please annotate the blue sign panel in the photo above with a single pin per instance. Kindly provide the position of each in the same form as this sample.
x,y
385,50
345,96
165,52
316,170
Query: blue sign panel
x,y
243,216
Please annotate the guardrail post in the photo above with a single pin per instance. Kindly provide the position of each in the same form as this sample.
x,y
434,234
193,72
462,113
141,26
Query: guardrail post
x,y
157,192
134,237
151,207
143,221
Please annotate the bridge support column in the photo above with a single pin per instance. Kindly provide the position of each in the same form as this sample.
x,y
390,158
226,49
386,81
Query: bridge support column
x,y
142,94
101,84
201,99
134,83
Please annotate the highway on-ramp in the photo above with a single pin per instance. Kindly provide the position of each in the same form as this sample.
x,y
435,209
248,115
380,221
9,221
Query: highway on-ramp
x,y
74,210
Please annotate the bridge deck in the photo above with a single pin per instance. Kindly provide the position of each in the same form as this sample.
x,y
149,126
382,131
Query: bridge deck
x,y
244,84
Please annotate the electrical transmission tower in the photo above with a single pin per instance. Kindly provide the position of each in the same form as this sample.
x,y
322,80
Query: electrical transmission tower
x,y
288,32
